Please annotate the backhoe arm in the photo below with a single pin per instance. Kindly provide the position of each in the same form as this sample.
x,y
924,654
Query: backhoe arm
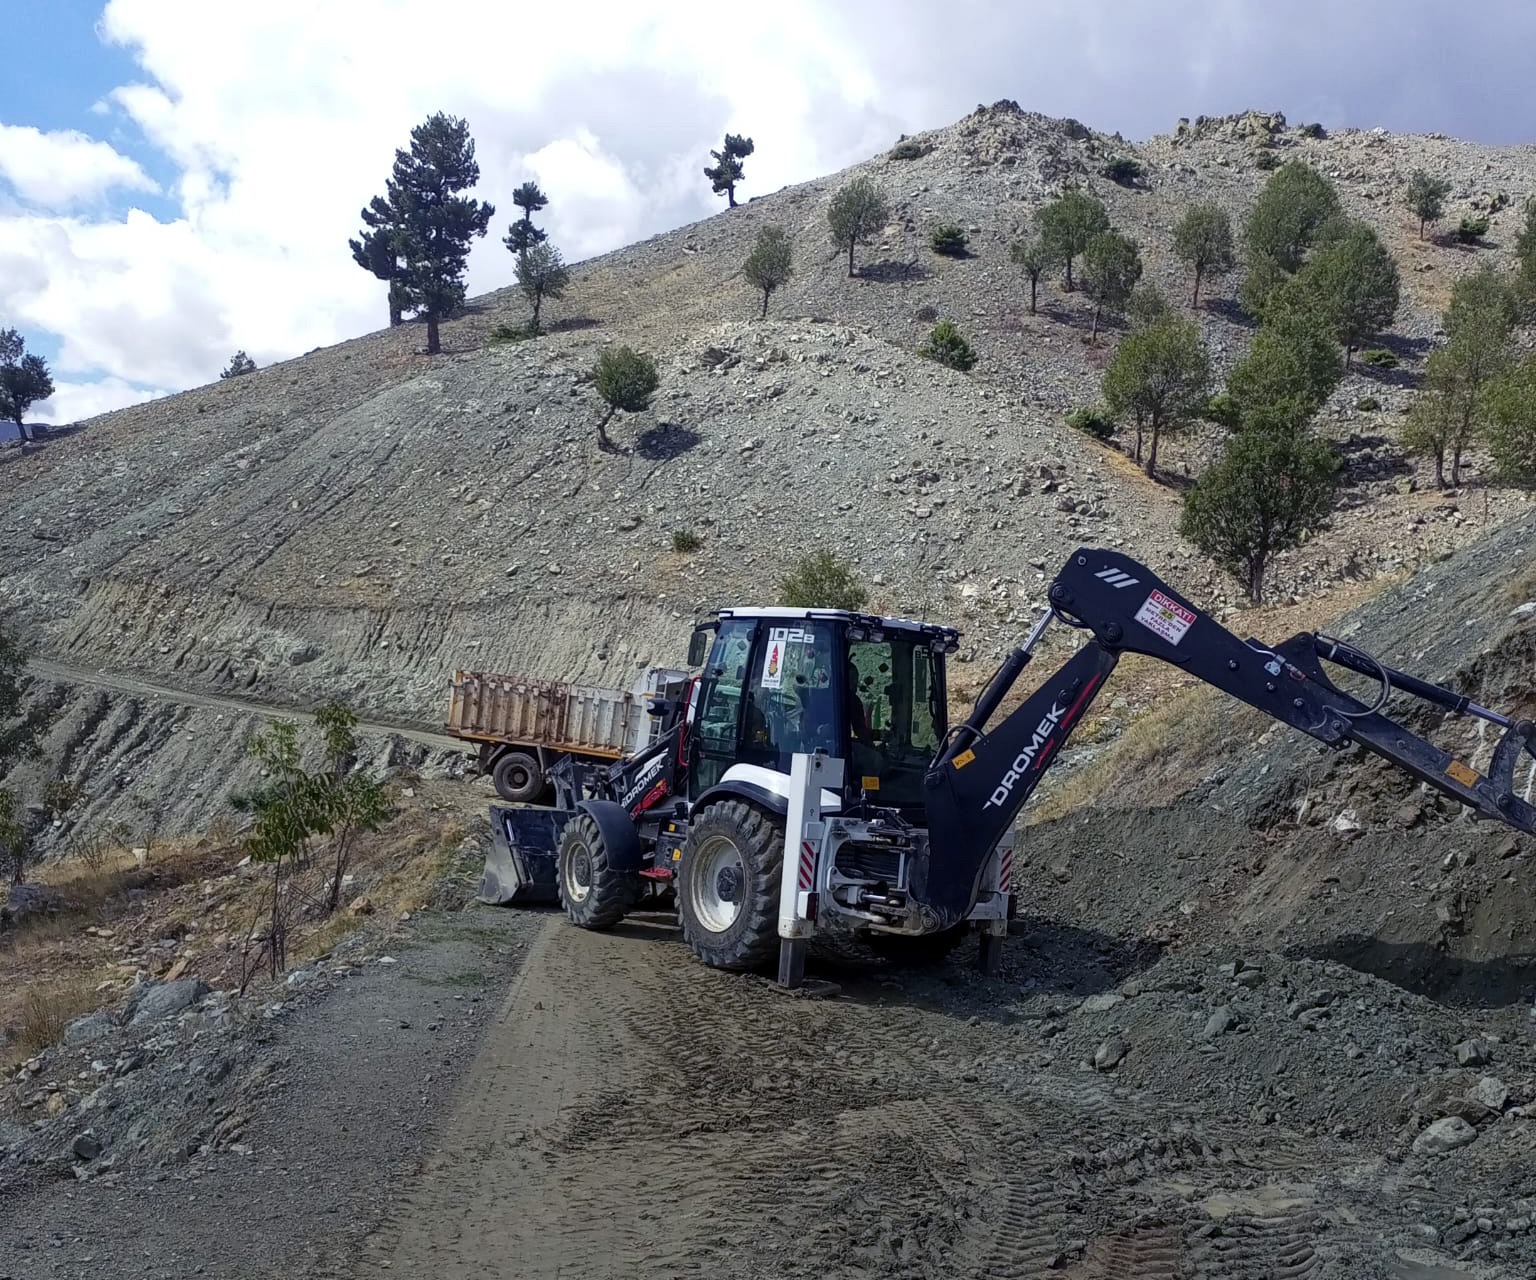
x,y
982,779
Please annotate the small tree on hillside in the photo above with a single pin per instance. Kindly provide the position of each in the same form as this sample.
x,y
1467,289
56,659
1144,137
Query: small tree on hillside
x,y
1288,374
1511,424
438,223
625,380
1147,305
1269,492
857,214
726,172
1426,198
24,380
1162,375
1111,268
1202,239
948,346
240,364
541,273
822,581
1352,281
1069,223
1453,406
1034,258
522,234
771,262
377,251
1292,210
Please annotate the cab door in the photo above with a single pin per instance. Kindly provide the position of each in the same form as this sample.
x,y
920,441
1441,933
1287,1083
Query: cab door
x,y
716,736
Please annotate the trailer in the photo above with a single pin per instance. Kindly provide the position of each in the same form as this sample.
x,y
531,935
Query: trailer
x,y
523,727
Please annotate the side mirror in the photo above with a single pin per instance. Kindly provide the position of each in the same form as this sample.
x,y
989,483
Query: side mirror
x,y
698,646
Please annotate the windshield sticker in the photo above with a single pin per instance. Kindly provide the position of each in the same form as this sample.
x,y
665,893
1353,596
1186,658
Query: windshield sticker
x,y
773,660
1165,617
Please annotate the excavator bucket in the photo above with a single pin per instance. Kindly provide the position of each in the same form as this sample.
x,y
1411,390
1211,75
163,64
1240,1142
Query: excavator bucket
x,y
520,867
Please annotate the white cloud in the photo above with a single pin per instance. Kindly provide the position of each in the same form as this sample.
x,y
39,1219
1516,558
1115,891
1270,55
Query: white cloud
x,y
77,401
63,169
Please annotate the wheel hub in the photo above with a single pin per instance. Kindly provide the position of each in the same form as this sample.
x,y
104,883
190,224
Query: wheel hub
x,y
579,878
728,885
717,884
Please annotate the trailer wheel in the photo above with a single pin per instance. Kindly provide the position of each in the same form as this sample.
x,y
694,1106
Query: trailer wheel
x,y
728,886
518,778
594,896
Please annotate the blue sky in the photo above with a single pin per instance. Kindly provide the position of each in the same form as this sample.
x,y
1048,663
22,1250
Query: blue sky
x,y
178,178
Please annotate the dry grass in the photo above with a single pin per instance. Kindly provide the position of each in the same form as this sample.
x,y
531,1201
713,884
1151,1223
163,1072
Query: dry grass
x,y
47,1010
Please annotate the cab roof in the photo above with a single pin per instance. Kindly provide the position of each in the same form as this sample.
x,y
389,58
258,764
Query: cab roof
x,y
777,612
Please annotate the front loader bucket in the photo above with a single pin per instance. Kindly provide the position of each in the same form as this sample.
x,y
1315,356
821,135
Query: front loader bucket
x,y
520,867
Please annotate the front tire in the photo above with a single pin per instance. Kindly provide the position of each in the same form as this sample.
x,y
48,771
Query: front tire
x,y
518,778
728,886
593,894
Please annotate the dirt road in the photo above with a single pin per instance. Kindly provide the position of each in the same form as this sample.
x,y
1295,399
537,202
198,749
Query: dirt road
x,y
632,1114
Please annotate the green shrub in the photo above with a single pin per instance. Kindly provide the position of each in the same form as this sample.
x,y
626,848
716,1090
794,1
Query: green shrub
x,y
822,581
908,149
685,540
1095,421
1266,160
1123,169
1367,404
1313,131
1223,411
948,346
1379,358
1473,228
505,333
949,240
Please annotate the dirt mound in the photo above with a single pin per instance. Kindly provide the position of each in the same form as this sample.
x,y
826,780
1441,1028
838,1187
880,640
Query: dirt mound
x,y
1258,832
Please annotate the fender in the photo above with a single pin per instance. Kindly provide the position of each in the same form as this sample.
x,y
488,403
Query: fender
x,y
621,838
766,788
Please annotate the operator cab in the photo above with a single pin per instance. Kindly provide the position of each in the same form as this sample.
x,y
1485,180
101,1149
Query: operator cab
x,y
867,690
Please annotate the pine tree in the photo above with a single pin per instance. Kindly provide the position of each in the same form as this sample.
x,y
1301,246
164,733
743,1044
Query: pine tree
x,y
726,172
24,380
1033,257
1269,492
541,273
857,214
1111,268
522,234
376,250
771,262
1162,374
436,223
1426,197
1203,240
1068,224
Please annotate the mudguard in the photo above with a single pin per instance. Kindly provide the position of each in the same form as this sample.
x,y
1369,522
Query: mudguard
x,y
621,838
520,867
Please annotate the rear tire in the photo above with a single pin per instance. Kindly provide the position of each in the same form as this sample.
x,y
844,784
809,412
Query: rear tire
x,y
728,886
593,894
518,778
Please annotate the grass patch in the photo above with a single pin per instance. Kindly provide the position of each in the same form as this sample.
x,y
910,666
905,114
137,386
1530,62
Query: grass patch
x,y
47,1010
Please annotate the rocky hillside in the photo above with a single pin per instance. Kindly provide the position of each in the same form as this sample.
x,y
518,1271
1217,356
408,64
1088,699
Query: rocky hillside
x,y
363,519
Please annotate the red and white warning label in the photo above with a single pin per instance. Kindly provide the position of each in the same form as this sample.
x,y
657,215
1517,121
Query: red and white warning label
x,y
1165,617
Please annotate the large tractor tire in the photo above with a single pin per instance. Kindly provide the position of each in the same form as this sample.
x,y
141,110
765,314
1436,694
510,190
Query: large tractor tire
x,y
593,894
518,778
728,886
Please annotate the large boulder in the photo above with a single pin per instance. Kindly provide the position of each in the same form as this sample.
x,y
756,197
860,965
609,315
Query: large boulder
x,y
156,1001
1444,1135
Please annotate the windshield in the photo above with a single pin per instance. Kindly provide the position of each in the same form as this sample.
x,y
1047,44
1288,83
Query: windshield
x,y
895,715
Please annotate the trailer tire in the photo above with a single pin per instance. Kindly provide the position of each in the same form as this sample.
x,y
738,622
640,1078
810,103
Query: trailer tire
x,y
593,894
518,778
728,886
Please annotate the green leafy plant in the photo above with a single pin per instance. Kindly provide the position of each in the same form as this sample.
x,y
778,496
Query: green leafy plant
x,y
1069,224
908,149
1161,374
1125,170
1223,410
1092,421
1425,197
625,380
541,273
686,540
1202,239
770,263
947,345
949,240
1472,228
856,215
1379,358
1034,258
1111,269
822,581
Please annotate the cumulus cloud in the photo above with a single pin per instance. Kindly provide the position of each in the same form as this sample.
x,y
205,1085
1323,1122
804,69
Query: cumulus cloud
x,y
62,169
612,107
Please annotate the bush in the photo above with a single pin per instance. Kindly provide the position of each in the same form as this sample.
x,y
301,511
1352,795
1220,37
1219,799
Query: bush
x,y
686,540
502,334
1095,421
948,346
822,581
1124,170
949,240
1379,358
1313,131
1266,160
908,149
1367,404
1223,410
1472,228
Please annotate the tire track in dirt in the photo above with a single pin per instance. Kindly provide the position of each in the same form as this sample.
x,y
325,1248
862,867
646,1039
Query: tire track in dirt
x,y
634,1114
